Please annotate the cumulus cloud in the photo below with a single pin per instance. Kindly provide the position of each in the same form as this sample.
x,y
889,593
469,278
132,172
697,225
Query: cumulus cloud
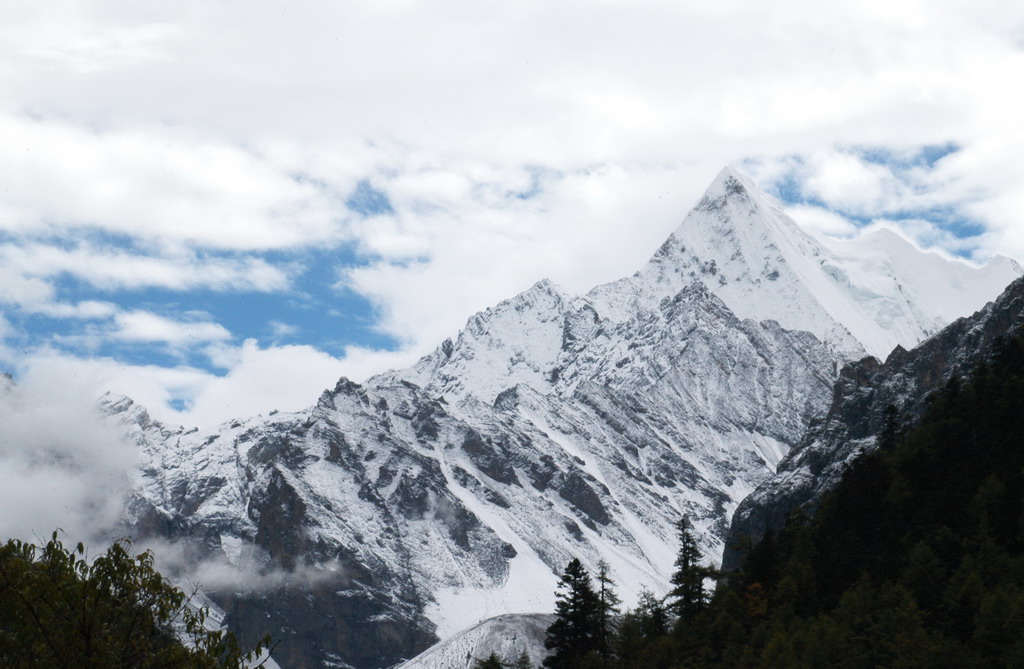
x,y
578,228
285,378
110,269
153,386
153,185
256,380
823,221
143,326
68,40
60,466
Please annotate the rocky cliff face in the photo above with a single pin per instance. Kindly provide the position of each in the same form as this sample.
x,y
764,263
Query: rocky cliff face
x,y
399,511
861,395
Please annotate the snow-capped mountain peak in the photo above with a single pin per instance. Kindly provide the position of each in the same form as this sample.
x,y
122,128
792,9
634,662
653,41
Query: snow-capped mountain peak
x,y
865,295
854,295
517,341
550,427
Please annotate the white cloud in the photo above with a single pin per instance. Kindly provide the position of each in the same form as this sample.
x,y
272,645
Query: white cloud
x,y
144,326
824,221
60,467
585,227
97,48
151,386
16,288
155,185
846,182
281,330
286,378
250,570
110,269
88,309
257,380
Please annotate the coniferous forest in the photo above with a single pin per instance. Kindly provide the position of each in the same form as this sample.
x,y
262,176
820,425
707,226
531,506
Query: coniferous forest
x,y
916,559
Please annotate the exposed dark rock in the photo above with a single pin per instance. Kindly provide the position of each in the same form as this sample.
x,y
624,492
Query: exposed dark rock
x,y
362,628
492,459
279,513
424,423
578,492
542,472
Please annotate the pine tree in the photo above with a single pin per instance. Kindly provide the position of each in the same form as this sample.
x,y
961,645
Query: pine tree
x,y
608,606
575,630
651,615
629,641
688,596
523,661
492,661
890,428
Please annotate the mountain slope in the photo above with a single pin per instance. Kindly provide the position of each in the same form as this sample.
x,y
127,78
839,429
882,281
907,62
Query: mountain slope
x,y
406,508
850,294
868,294
427,515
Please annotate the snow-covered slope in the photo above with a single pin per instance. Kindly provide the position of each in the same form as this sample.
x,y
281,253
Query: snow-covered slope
x,y
507,637
893,278
869,294
428,499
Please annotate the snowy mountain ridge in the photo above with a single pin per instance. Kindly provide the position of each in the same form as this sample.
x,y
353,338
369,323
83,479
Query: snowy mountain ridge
x,y
424,500
865,295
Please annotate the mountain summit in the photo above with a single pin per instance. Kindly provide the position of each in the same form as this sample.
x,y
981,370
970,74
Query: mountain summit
x,y
553,426
866,295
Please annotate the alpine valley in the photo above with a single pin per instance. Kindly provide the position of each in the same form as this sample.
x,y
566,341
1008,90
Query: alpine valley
x,y
399,512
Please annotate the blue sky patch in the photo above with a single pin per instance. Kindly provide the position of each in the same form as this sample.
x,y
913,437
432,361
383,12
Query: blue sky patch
x,y
315,311
369,201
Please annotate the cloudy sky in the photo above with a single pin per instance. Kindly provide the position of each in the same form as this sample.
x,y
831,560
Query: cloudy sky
x,y
220,207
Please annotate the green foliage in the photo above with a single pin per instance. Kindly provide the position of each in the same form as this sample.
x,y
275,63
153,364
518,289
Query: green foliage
x,y
575,632
651,615
522,662
58,609
688,597
492,661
